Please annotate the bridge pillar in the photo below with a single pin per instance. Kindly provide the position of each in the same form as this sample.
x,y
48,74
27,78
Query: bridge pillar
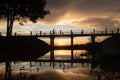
x,y
92,39
106,31
40,32
52,58
72,48
93,45
30,33
93,50
52,45
52,50
118,31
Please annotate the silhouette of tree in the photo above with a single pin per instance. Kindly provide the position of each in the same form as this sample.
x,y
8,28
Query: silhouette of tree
x,y
12,10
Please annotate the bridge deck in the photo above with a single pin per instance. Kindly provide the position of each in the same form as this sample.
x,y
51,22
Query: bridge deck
x,y
69,35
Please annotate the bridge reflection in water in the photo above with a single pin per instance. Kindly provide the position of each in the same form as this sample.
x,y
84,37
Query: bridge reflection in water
x,y
71,34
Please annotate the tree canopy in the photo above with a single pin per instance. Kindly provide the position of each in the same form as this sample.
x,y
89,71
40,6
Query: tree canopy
x,y
21,9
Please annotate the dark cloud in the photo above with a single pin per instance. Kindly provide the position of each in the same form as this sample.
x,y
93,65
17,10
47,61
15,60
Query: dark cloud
x,y
58,4
58,8
100,23
97,8
82,8
82,4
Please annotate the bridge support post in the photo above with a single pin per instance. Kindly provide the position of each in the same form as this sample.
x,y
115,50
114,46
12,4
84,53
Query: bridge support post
x,y
52,45
118,31
40,32
93,39
106,31
52,58
52,49
71,48
30,33
93,52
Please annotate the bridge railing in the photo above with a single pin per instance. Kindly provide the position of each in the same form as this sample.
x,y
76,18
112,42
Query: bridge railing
x,y
63,32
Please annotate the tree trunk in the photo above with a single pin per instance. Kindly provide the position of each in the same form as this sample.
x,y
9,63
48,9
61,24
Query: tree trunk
x,y
8,71
10,20
9,28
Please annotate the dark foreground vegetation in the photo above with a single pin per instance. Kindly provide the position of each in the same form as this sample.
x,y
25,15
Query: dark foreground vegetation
x,y
22,48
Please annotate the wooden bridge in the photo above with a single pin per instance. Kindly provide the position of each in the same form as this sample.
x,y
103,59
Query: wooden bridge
x,y
70,34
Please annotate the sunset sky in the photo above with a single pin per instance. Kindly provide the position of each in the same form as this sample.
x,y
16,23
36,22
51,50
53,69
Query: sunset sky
x,y
76,14
73,15
84,13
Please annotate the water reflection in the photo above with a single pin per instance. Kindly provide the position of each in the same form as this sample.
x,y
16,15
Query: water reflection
x,y
64,54
59,55
67,41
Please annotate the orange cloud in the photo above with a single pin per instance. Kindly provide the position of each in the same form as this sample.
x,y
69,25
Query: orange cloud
x,y
99,23
65,11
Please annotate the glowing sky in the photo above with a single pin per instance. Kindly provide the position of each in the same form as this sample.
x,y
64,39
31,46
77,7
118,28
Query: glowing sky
x,y
77,14
94,13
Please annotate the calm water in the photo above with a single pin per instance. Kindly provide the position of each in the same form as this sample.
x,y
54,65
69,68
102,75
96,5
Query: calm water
x,y
59,71
59,54
35,66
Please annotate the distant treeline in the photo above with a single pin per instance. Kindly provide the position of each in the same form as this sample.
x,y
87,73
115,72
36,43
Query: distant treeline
x,y
87,46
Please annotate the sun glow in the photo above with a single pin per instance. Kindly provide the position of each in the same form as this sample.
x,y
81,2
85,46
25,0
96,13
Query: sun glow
x,y
69,19
61,42
62,52
67,41
66,19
